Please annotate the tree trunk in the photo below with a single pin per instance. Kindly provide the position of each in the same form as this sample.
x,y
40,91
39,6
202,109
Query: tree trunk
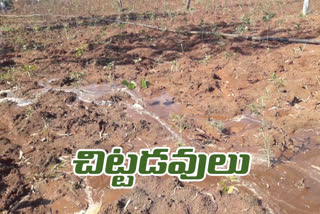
x,y
306,5
188,4
119,2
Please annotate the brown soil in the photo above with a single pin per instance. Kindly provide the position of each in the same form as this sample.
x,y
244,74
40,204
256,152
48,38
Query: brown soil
x,y
259,94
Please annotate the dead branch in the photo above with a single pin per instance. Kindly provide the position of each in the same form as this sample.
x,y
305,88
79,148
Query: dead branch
x,y
228,35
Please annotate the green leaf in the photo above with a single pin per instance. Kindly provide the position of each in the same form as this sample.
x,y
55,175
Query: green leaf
x,y
224,189
233,178
222,182
132,85
125,82
145,83
230,189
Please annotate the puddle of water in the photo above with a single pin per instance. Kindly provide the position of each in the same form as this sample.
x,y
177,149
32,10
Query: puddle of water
x,y
163,106
9,96
241,124
94,93
93,207
290,187
157,108
303,135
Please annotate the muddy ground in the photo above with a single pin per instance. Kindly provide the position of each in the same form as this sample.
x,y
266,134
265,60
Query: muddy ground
x,y
60,91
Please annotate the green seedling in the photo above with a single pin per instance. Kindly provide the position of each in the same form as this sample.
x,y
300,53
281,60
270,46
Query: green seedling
x,y
217,124
8,76
245,20
267,143
173,66
229,55
29,111
277,83
242,28
29,69
258,108
78,76
179,143
80,51
228,184
130,85
145,83
206,59
273,76
178,120
254,109
268,16
109,66
137,60
110,75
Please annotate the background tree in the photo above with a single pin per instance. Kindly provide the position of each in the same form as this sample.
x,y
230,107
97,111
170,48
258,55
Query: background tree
x,y
306,5
188,4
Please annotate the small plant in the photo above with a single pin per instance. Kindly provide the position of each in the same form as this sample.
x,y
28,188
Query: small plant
x,y
267,144
301,48
245,20
36,28
273,76
78,76
217,124
8,76
182,48
178,120
206,59
281,81
7,28
29,111
268,16
29,69
242,28
228,183
130,85
145,83
179,143
261,103
277,83
173,66
109,66
137,60
80,51
254,109
24,47
110,76
229,55
157,61
46,131
258,108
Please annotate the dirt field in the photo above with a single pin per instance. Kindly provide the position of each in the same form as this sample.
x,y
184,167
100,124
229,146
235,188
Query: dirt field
x,y
60,91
